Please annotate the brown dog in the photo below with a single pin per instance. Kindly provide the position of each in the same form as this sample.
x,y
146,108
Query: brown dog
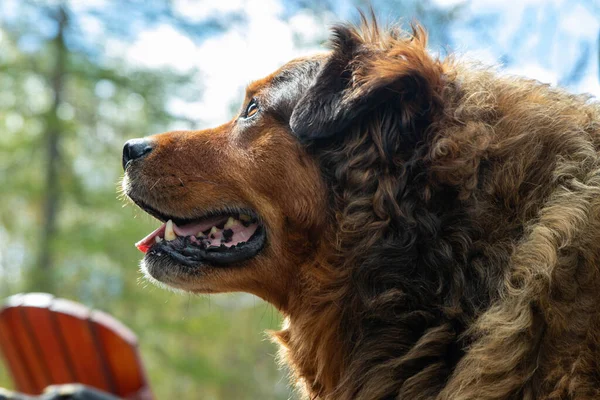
x,y
431,230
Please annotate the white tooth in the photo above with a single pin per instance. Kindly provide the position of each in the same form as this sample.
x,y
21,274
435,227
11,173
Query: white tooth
x,y
169,232
214,229
157,239
200,235
245,218
231,223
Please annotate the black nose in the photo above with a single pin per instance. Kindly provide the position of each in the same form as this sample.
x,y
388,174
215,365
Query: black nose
x,y
134,149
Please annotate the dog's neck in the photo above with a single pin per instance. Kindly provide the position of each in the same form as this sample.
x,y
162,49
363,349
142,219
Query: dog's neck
x,y
322,338
313,341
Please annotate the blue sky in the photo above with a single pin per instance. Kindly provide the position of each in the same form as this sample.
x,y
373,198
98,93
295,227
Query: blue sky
x,y
540,39
554,41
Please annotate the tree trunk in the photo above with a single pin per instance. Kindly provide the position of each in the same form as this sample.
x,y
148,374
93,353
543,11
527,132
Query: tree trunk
x,y
42,275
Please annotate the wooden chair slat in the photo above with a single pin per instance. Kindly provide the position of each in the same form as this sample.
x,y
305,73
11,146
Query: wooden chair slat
x,y
27,348
53,350
121,354
74,328
10,350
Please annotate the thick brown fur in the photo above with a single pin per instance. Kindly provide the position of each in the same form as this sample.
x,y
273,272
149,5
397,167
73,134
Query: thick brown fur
x,y
434,226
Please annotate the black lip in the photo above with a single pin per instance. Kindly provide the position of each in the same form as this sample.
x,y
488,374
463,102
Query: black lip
x,y
180,221
157,214
184,252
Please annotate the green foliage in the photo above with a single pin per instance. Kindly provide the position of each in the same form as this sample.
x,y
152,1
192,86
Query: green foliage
x,y
192,347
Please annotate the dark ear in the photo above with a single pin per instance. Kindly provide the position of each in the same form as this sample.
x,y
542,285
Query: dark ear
x,y
365,71
322,107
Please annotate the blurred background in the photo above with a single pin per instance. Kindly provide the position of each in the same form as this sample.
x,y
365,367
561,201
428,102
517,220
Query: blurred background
x,y
79,77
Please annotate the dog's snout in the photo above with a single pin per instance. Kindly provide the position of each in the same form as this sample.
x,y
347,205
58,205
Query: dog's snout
x,y
134,149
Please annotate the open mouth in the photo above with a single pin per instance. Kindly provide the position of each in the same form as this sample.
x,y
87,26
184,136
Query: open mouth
x,y
220,238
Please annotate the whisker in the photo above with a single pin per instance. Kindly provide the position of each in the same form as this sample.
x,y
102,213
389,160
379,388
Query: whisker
x,y
156,183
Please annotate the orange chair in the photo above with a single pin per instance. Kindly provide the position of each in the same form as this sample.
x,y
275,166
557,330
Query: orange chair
x,y
48,341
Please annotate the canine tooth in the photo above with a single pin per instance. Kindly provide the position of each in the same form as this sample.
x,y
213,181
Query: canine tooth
x,y
245,218
169,232
231,222
157,239
213,230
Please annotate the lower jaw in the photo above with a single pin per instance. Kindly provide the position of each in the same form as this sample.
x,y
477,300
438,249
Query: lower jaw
x,y
165,273
189,255
169,274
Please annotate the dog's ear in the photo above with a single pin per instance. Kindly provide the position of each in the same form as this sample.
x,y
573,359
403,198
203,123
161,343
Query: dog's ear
x,y
323,106
366,71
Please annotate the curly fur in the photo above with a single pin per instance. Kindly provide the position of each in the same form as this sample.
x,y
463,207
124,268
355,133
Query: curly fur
x,y
433,226
465,230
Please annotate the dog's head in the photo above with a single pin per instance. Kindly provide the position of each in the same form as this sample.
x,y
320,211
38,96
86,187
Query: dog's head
x,y
248,205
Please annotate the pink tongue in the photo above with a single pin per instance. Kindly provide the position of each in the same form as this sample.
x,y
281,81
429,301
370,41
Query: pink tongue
x,y
144,244
185,230
194,228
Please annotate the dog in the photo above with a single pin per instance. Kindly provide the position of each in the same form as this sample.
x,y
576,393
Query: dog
x,y
429,228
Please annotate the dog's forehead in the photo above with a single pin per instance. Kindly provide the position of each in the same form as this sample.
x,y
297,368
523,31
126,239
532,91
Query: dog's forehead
x,y
294,70
280,91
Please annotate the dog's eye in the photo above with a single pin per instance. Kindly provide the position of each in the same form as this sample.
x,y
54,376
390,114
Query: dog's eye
x,y
252,109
